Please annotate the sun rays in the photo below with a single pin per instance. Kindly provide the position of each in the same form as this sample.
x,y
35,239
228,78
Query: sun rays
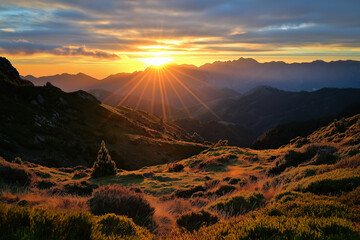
x,y
162,85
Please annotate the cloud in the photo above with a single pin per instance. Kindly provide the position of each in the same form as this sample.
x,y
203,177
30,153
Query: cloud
x,y
27,48
112,25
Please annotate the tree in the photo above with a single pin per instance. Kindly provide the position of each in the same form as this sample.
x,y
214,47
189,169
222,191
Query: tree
x,y
104,166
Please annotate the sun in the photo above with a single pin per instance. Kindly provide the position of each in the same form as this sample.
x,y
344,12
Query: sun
x,y
156,61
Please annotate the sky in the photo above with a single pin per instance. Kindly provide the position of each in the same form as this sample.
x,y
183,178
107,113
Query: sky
x,y
99,38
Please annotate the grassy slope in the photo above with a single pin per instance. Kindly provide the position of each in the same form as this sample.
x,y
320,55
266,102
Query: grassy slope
x,y
311,199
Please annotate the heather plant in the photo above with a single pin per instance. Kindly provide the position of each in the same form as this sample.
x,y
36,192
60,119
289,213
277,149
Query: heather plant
x,y
104,166
239,204
122,201
112,224
13,173
194,220
279,227
33,224
176,167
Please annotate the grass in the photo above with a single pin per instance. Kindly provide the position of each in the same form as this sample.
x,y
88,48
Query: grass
x,y
312,198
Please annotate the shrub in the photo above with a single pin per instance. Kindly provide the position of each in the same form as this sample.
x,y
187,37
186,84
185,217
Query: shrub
x,y
311,207
194,220
211,184
224,189
15,174
352,198
311,154
335,182
79,174
104,166
18,160
280,227
111,224
122,201
351,162
83,188
186,193
45,184
24,223
177,167
239,204
33,224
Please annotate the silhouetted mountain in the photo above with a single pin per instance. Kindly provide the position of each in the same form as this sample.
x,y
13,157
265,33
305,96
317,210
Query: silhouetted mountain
x,y
67,82
178,86
266,107
246,73
48,126
282,134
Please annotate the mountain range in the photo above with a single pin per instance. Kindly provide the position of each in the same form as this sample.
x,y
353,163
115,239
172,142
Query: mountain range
x,y
240,75
196,98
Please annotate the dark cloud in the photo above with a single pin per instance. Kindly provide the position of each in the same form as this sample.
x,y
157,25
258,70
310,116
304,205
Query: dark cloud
x,y
119,25
27,48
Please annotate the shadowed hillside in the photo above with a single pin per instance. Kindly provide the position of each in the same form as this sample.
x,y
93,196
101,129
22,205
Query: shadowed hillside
x,y
282,134
54,128
264,107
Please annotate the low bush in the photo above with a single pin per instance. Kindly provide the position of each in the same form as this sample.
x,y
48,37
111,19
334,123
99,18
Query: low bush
x,y
334,182
83,188
112,224
279,227
312,154
194,220
211,184
239,204
224,189
18,160
188,192
80,174
176,167
122,201
310,207
352,198
44,184
33,224
24,223
13,173
348,162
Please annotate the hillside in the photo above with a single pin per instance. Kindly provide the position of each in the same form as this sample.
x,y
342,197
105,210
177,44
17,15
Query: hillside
x,y
264,107
308,189
213,131
282,134
133,101
48,126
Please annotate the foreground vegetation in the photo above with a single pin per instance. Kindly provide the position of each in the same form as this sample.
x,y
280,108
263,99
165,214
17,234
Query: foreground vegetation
x,y
308,189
